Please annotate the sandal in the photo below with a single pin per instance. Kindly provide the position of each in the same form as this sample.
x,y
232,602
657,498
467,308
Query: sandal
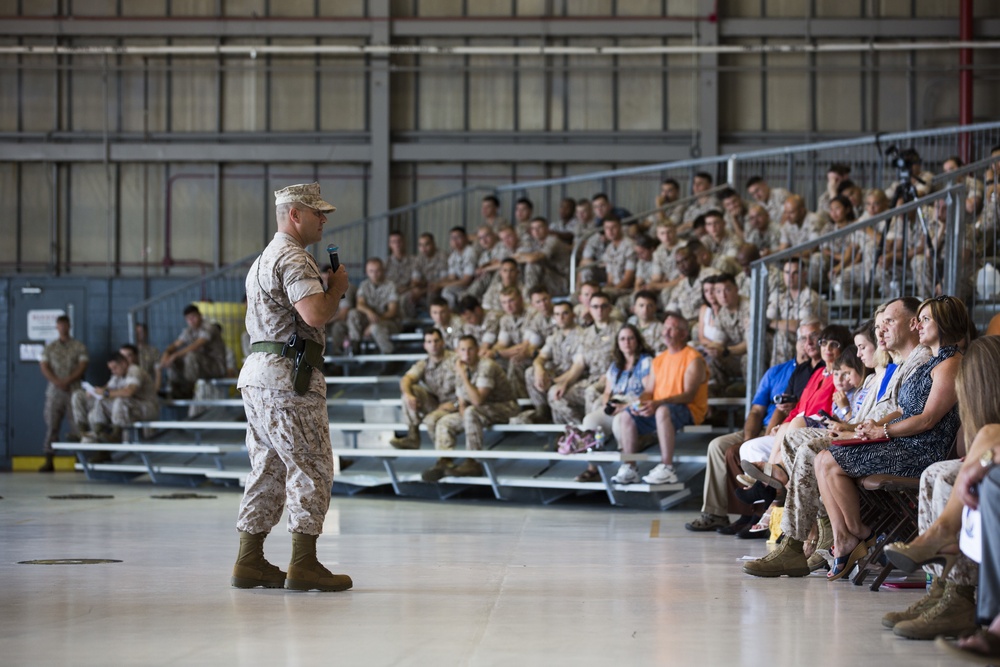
x,y
765,474
842,565
588,475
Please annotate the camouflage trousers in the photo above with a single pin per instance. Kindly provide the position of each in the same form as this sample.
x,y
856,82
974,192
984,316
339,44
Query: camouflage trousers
x,y
936,482
58,406
288,440
571,407
357,322
537,273
185,372
799,448
472,422
121,412
427,409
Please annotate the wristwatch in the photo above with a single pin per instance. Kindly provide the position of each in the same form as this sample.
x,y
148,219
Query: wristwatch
x,y
986,460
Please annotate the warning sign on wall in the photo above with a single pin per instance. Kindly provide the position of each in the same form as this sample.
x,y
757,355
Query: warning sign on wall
x,y
42,324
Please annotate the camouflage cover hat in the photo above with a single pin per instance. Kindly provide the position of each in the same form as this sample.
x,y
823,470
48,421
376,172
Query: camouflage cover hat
x,y
306,194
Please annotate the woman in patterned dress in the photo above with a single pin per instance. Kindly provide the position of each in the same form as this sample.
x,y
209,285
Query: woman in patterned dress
x,y
922,434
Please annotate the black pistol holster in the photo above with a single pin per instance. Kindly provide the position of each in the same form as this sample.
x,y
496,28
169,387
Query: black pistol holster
x,y
305,355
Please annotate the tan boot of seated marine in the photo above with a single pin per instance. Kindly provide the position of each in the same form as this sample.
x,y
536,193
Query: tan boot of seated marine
x,y
468,468
251,569
305,573
929,600
786,560
410,441
953,616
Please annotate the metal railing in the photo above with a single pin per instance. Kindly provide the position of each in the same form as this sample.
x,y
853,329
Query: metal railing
x,y
800,169
930,246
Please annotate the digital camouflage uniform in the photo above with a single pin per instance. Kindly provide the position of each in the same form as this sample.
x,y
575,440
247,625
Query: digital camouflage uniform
x,y
500,405
63,359
652,333
783,306
813,226
558,352
699,207
433,384
593,250
594,352
149,359
205,363
119,411
514,331
452,331
491,299
481,283
618,260
767,240
686,296
378,298
288,436
399,272
461,264
665,263
728,246
734,325
426,270
553,271
485,333
775,203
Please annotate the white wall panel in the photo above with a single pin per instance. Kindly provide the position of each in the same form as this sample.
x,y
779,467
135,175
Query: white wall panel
x,y
244,94
640,89
9,101
682,91
491,91
93,88
343,92
591,91
142,215
740,102
838,92
144,8
8,212
92,213
191,219
441,91
534,95
293,91
787,92
36,212
193,97
38,93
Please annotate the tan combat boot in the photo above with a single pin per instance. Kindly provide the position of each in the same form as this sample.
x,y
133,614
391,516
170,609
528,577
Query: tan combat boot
x,y
787,560
932,597
410,441
251,569
305,573
953,616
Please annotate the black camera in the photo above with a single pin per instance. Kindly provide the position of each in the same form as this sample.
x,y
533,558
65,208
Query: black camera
x,y
611,406
903,162
785,398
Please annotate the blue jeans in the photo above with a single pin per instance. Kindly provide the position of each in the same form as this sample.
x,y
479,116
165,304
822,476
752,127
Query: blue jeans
x,y
680,415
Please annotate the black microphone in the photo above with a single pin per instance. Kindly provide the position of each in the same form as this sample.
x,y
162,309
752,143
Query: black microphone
x,y
334,252
334,256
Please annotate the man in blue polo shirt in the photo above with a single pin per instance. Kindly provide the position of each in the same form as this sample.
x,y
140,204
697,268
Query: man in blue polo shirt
x,y
716,503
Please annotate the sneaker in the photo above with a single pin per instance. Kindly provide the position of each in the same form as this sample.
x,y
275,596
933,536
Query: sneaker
x,y
661,474
707,522
626,475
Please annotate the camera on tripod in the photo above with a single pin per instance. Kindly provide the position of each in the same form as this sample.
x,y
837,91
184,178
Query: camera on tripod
x,y
903,162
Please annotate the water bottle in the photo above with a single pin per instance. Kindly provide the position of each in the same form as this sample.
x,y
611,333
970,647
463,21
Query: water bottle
x,y
599,438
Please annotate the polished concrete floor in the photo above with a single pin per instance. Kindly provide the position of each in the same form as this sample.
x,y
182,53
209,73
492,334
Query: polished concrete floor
x,y
436,583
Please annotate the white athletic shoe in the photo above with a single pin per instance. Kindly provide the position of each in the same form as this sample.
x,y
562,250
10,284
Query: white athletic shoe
x,y
626,475
661,474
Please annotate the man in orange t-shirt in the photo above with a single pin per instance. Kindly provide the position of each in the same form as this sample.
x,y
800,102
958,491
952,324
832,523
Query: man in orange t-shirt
x,y
675,395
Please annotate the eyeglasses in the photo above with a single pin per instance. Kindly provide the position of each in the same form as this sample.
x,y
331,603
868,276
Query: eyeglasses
x,y
835,344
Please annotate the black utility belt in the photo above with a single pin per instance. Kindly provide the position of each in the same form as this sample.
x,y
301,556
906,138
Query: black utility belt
x,y
306,354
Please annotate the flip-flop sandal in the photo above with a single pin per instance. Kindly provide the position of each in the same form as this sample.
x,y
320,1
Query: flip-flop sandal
x,y
764,475
762,525
746,480
991,657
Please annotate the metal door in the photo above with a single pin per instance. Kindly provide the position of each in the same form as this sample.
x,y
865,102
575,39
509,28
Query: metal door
x,y
32,314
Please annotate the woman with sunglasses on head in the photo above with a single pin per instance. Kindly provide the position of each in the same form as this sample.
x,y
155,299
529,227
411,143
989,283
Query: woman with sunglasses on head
x,y
921,436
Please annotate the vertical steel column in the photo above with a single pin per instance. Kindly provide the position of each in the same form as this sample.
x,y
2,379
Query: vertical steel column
x,y
954,242
757,335
708,82
377,236
965,78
